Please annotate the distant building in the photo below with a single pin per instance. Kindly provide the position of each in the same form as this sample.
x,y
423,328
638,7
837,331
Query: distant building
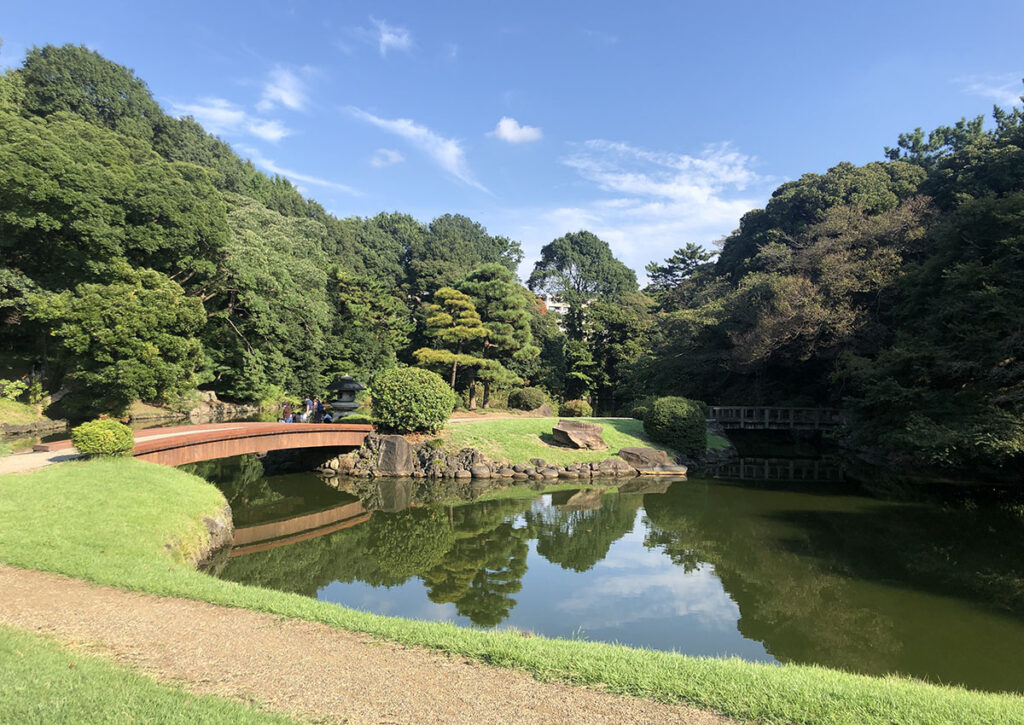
x,y
552,303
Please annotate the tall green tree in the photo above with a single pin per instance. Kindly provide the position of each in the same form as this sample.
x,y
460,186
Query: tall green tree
x,y
455,325
505,312
134,338
580,267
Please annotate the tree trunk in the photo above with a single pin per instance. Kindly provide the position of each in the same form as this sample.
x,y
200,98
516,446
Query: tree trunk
x,y
455,367
472,393
487,394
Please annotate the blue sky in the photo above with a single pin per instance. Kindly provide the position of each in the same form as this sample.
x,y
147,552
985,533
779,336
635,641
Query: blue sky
x,y
651,124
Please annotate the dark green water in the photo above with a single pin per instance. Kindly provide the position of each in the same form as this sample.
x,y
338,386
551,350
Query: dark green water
x,y
780,572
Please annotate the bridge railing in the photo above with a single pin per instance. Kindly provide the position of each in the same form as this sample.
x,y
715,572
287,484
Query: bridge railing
x,y
756,417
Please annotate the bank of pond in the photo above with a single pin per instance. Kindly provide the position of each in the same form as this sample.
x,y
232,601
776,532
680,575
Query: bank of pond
x,y
779,560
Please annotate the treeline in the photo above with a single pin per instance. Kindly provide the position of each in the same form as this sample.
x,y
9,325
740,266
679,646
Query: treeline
x,y
893,290
141,257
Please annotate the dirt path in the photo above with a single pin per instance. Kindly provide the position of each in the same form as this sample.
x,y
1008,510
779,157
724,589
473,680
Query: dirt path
x,y
301,667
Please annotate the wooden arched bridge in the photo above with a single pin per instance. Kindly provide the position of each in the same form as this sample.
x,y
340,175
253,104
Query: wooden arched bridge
x,y
191,443
766,417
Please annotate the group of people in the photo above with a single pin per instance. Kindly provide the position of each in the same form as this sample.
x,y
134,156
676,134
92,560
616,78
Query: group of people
x,y
312,412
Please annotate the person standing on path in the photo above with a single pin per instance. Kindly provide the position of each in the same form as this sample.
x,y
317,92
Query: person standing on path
x,y
308,411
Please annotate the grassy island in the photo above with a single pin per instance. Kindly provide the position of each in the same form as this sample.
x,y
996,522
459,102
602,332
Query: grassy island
x,y
133,525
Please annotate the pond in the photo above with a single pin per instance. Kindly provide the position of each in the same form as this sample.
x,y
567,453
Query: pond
x,y
809,572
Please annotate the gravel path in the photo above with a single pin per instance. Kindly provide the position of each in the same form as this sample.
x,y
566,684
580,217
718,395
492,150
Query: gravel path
x,y
301,667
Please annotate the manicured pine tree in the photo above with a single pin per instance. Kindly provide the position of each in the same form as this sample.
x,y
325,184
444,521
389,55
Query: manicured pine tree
x,y
452,320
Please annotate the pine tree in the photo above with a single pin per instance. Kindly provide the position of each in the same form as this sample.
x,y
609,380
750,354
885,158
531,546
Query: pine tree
x,y
452,320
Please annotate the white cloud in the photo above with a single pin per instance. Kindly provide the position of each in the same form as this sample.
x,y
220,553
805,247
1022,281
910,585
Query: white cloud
x,y
283,88
294,176
386,157
446,152
391,37
224,118
508,129
646,203
1003,90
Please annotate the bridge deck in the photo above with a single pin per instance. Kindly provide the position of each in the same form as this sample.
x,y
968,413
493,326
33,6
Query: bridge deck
x,y
760,417
191,443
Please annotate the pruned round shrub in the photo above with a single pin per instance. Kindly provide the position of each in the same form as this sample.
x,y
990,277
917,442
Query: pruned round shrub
x,y
527,398
638,409
576,409
411,399
679,423
103,438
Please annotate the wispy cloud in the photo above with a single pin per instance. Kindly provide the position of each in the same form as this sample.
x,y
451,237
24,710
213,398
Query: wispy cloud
x,y
1004,90
268,165
600,36
391,37
224,118
446,152
386,157
508,129
283,88
646,203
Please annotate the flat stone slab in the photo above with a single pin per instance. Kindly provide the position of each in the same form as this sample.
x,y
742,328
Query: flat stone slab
x,y
577,434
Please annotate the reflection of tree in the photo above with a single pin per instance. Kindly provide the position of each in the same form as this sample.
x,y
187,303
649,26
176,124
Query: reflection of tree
x,y
240,478
408,542
577,540
814,575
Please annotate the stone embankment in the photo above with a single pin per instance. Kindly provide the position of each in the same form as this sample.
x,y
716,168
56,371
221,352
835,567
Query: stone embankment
x,y
393,455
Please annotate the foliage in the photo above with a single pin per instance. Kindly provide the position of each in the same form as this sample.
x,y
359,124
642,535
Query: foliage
x,y
12,389
452,246
103,438
133,338
579,267
453,322
527,398
411,399
679,423
371,325
575,409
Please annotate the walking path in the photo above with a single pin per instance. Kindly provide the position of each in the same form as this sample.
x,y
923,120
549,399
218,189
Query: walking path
x,y
305,668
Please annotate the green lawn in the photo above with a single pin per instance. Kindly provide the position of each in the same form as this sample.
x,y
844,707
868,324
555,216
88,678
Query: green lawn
x,y
15,413
110,522
43,682
517,440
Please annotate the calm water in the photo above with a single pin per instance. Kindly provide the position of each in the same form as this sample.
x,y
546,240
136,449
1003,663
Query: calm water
x,y
778,572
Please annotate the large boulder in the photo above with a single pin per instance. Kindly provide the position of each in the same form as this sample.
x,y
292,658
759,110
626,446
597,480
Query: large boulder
x,y
651,462
396,457
585,500
577,434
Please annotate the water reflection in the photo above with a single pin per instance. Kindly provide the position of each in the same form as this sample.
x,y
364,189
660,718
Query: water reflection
x,y
767,571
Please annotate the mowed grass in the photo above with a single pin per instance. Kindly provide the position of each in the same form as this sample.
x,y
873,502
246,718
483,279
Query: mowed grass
x,y
517,440
44,682
110,522
15,413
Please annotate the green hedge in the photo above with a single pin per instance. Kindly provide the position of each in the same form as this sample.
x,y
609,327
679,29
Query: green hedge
x,y
103,438
411,399
527,398
576,409
679,423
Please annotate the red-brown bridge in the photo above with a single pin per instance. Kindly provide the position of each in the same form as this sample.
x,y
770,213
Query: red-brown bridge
x,y
191,443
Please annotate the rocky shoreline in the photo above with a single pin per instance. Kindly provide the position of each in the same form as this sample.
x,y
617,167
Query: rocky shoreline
x,y
394,456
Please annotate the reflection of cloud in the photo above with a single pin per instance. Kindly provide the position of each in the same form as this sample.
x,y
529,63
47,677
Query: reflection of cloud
x,y
661,589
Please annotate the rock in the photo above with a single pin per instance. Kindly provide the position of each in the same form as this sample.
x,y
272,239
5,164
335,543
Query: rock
x,y
506,472
463,473
589,500
213,555
396,458
612,467
480,471
577,434
394,495
651,462
644,485
568,474
520,468
539,463
519,476
549,473
543,411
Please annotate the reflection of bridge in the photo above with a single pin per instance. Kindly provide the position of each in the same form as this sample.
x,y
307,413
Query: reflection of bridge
x,y
777,469
191,443
755,417
270,535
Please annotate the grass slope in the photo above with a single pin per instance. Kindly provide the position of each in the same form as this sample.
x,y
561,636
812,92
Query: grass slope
x,y
109,521
43,682
15,413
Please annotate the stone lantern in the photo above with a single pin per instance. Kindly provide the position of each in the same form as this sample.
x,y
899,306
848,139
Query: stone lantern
x,y
346,388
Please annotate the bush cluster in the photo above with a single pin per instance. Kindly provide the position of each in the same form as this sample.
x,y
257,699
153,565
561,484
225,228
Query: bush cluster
x,y
411,399
679,423
103,438
576,409
638,408
527,398
11,389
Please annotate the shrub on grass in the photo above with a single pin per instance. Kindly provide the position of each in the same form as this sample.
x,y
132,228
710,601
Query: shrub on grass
x,y
411,399
576,409
679,423
103,438
638,408
527,398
